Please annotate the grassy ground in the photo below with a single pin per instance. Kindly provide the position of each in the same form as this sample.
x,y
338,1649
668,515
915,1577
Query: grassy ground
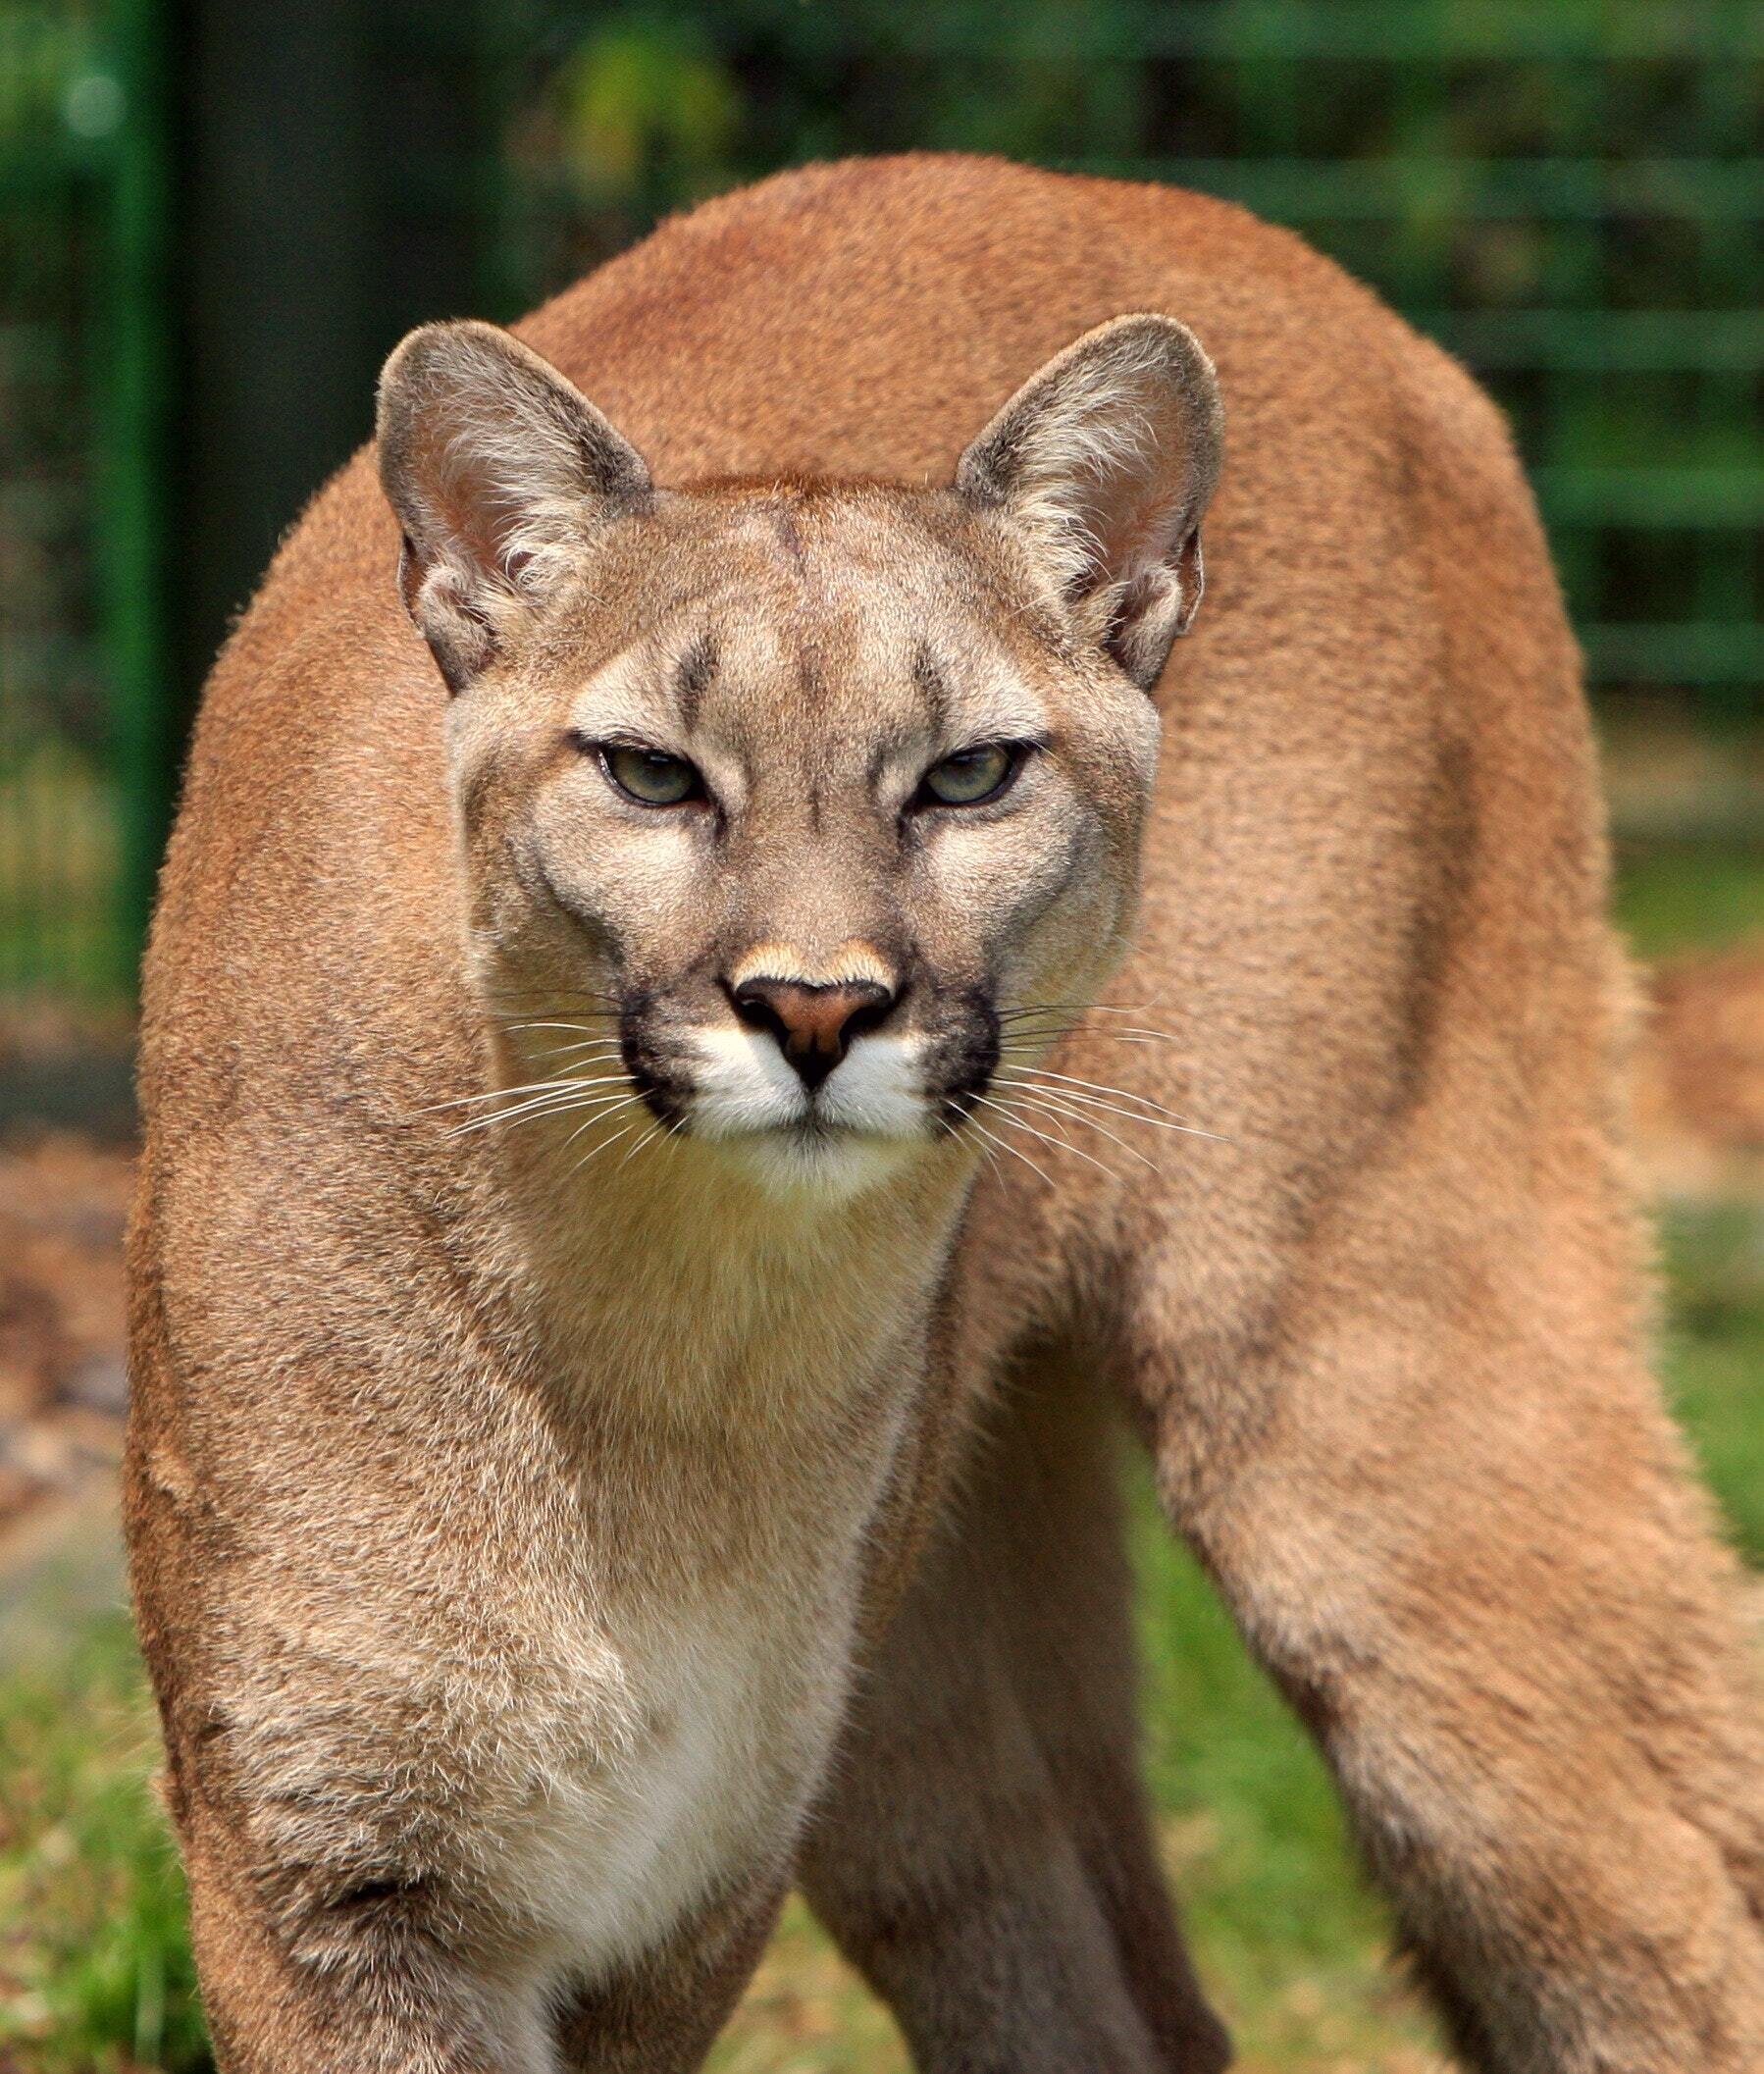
x,y
1708,894
94,1974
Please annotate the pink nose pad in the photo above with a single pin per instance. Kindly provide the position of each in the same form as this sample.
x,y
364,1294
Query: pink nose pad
x,y
813,1024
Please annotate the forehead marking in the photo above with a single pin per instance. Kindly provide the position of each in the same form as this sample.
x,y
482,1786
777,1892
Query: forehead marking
x,y
693,674
790,538
932,689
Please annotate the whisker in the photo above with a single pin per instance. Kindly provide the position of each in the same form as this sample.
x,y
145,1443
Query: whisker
x,y
537,1105
1006,1111
986,1152
655,1131
528,1087
1134,1032
1098,1087
1128,1115
1025,1041
551,1109
493,1094
595,1151
1099,1092
1013,1116
1053,1106
1075,1008
541,1022
601,1115
606,1144
1165,1123
1013,1149
602,1045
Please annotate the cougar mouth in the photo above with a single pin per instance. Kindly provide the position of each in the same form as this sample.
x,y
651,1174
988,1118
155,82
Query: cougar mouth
x,y
730,1082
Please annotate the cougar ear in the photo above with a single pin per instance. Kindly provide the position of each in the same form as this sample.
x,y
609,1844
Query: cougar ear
x,y
499,471
1107,458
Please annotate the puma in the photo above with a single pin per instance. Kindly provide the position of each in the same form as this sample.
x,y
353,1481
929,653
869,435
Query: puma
x,y
720,1012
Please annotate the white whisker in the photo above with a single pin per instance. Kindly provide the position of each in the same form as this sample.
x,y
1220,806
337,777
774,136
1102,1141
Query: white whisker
x,y
532,1088
537,1106
1013,1149
1017,1077
600,1115
595,1151
655,1131
1006,1111
1054,1107
1098,1087
580,1029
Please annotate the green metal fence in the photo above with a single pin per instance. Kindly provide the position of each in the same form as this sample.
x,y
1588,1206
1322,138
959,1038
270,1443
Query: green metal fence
x,y
1569,193
84,760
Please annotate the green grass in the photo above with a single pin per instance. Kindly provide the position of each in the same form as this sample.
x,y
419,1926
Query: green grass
x,y
1674,897
61,918
1715,1354
94,1963
1290,1940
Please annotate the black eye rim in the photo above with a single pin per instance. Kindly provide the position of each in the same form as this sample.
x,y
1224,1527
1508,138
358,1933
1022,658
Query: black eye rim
x,y
697,794
1017,753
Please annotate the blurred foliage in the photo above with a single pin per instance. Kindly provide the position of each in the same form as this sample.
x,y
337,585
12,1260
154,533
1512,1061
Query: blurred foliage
x,y
643,105
1572,197
47,670
762,84
95,1970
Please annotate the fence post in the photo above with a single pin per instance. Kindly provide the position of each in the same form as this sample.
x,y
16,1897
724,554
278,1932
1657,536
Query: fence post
x,y
133,512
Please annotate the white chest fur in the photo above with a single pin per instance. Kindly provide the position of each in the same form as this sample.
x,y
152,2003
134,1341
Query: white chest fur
x,y
700,1735
690,1711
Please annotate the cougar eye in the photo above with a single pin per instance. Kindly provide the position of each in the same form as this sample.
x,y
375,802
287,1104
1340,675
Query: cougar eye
x,y
650,775
971,775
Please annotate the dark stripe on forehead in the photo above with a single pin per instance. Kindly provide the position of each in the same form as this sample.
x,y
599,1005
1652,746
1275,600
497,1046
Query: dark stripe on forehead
x,y
790,538
693,674
936,694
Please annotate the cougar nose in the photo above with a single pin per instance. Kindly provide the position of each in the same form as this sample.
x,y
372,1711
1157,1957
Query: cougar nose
x,y
813,1024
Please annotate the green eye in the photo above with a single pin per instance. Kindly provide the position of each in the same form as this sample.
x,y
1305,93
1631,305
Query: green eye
x,y
971,775
650,775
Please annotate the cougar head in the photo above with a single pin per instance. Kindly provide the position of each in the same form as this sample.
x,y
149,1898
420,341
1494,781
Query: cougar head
x,y
795,803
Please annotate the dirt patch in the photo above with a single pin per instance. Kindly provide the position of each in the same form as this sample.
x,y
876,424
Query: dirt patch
x,y
63,1390
1700,1090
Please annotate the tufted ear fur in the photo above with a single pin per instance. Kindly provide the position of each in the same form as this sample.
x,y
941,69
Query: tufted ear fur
x,y
499,471
1107,458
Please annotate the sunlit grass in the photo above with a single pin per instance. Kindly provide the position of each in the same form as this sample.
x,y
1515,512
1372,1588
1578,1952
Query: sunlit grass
x,y
1680,896
94,1963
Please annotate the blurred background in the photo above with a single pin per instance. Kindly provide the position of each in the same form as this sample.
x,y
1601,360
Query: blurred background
x,y
214,219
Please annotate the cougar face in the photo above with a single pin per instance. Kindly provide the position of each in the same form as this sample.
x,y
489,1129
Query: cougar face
x,y
785,807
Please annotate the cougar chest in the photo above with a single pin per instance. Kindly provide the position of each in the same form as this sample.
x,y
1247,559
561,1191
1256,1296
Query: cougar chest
x,y
695,1744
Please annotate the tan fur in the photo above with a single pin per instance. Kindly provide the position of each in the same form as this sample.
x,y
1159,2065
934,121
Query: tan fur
x,y
845,963
505,1529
